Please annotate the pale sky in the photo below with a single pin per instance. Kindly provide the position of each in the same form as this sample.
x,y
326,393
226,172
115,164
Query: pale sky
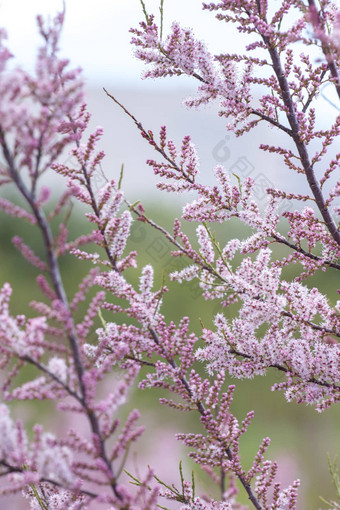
x,y
96,33
96,37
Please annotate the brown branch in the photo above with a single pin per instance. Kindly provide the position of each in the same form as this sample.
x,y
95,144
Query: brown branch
x,y
294,129
150,139
312,380
312,94
300,145
327,50
44,369
253,111
14,469
57,282
294,247
279,239
201,409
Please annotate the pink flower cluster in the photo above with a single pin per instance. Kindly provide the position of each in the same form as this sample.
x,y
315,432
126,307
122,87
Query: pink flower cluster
x,y
287,325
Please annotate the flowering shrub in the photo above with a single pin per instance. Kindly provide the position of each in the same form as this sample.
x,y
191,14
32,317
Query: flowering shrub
x,y
281,324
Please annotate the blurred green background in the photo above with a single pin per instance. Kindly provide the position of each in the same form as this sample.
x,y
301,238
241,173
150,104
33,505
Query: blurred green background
x,y
300,436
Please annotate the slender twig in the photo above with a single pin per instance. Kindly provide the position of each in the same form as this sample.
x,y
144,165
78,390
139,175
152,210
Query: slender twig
x,y
201,409
61,295
312,94
44,369
316,327
278,238
141,361
149,138
282,240
144,11
210,269
293,131
15,469
281,368
299,144
161,11
327,52
222,482
222,93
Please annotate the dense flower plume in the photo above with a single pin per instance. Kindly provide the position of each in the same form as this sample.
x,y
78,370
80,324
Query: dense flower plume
x,y
281,323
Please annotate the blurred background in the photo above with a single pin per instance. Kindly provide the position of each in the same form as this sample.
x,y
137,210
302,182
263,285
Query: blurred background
x,y
96,37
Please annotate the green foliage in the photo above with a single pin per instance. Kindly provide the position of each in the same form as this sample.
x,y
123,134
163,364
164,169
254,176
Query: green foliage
x,y
334,472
